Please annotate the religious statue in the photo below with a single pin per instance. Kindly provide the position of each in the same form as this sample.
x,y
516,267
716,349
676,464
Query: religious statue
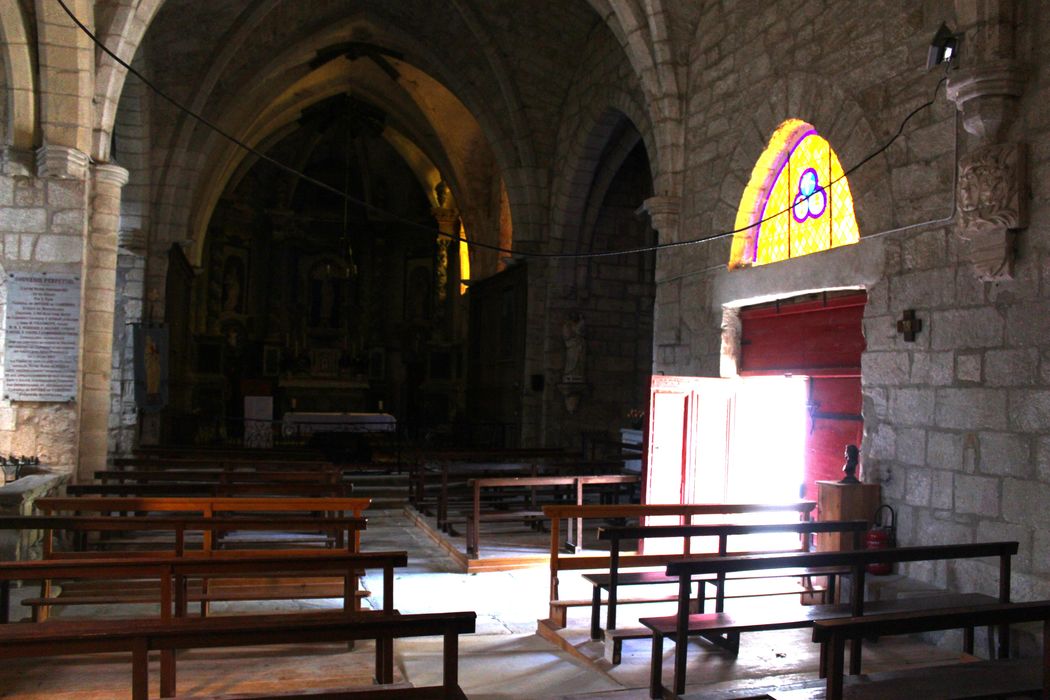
x,y
850,467
441,193
573,333
232,285
152,361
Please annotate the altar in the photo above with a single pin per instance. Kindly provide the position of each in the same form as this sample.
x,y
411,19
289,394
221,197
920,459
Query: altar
x,y
306,423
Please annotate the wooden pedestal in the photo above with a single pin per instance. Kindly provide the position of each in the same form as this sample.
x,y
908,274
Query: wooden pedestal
x,y
837,501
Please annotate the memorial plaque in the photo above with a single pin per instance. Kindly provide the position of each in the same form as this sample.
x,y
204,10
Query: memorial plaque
x,y
43,335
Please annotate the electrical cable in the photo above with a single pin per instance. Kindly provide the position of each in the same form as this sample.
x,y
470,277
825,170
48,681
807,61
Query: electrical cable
x,y
478,244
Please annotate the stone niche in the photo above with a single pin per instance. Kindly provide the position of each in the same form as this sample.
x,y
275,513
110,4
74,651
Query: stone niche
x,y
18,498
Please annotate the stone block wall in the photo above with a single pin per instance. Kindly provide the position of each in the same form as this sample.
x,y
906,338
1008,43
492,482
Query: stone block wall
x,y
955,422
41,228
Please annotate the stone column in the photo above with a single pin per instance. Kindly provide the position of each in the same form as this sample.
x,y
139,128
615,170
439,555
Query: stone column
x,y
447,265
448,223
100,269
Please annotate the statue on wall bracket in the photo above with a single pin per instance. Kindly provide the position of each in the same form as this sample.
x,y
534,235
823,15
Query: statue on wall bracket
x,y
992,199
574,379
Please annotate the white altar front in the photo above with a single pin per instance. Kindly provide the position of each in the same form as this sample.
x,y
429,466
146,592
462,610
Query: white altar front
x,y
305,423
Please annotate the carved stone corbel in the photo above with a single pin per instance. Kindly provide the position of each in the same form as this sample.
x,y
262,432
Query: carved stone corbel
x,y
987,97
61,163
992,206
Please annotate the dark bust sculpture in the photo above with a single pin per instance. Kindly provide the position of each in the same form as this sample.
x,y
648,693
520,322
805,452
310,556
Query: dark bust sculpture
x,y
850,467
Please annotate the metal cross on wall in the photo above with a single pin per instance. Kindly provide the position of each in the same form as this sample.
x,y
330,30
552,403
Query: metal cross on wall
x,y
909,325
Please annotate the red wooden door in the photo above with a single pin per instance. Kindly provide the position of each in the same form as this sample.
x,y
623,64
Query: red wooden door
x,y
820,336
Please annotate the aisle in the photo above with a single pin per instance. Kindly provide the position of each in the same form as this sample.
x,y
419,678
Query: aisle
x,y
504,658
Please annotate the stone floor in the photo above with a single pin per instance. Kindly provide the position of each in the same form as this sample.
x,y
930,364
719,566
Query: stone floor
x,y
503,659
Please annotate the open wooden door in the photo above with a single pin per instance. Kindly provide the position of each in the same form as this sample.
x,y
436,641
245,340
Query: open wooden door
x,y
688,440
819,336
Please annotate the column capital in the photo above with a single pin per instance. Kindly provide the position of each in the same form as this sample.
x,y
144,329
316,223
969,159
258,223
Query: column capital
x,y
61,162
111,174
663,211
446,218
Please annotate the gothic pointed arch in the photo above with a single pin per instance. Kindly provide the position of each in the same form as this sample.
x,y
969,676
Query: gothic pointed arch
x,y
797,202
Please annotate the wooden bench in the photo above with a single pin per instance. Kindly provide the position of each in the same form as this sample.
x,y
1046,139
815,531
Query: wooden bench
x,y
240,579
226,461
577,485
335,533
614,578
835,633
213,475
429,465
208,507
220,489
575,516
724,629
141,636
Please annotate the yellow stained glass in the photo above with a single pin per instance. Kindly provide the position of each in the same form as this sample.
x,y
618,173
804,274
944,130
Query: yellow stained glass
x,y
797,201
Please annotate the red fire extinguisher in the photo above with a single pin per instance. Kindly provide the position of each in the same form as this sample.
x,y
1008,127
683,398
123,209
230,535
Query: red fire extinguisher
x,y
881,536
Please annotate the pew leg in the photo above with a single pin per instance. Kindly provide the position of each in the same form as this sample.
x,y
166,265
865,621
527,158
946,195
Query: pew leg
x,y
5,602
450,670
1046,660
854,656
384,660
656,666
596,604
167,673
140,670
968,640
42,612
835,664
681,646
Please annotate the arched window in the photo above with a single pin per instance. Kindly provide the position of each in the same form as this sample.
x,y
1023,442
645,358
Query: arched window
x,y
799,194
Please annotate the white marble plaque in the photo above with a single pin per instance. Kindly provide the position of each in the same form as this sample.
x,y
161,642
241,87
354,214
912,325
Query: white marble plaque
x,y
43,334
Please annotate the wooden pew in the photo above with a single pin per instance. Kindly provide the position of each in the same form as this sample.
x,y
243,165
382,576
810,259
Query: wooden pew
x,y
139,637
451,480
223,488
338,533
615,577
430,466
300,454
577,515
173,575
214,475
725,629
133,463
575,483
208,507
835,633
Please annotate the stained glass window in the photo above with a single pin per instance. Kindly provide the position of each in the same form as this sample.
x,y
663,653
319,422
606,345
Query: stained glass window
x,y
797,201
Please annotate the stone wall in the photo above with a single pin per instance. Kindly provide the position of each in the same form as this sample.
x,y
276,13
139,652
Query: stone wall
x,y
41,228
955,422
